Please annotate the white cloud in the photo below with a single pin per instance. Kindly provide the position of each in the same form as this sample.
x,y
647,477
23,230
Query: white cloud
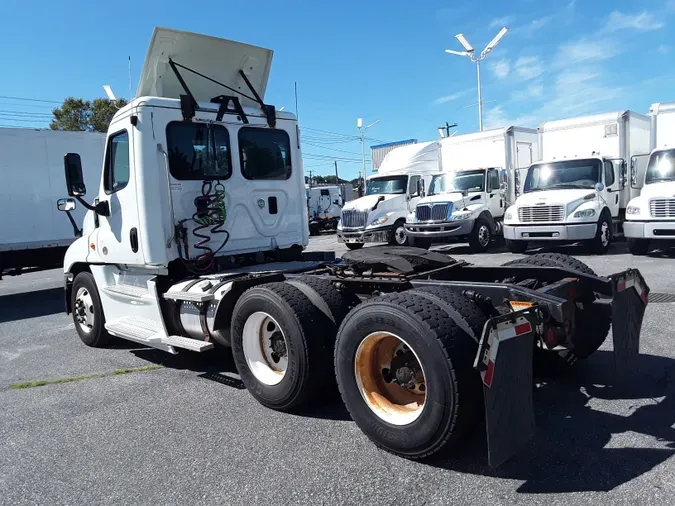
x,y
528,67
644,22
501,68
536,24
449,98
586,50
530,92
500,22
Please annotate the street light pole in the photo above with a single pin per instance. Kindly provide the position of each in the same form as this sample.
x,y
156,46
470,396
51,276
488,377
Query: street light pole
x,y
470,52
362,131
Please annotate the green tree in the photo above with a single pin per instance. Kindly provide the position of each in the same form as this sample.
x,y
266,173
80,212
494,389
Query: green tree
x,y
76,114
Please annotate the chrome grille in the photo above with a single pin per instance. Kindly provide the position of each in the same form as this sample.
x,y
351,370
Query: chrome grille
x,y
534,214
432,212
354,219
662,208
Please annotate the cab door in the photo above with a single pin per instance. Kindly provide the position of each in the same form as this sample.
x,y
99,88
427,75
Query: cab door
x,y
612,191
495,202
117,235
413,192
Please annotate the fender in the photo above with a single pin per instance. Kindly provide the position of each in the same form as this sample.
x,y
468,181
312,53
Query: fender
x,y
487,216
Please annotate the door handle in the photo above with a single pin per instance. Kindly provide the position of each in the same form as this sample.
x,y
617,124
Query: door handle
x,y
133,239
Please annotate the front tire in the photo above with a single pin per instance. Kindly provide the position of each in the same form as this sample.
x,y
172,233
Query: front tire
x,y
404,369
599,245
282,344
419,242
88,312
399,237
638,246
354,245
480,236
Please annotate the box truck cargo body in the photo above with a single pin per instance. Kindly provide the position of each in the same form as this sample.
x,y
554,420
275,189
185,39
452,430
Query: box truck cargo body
x,y
33,232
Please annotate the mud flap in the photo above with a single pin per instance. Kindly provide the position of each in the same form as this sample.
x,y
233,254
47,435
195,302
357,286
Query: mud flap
x,y
504,360
630,296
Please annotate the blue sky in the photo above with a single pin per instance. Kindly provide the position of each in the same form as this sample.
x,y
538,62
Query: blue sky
x,y
382,60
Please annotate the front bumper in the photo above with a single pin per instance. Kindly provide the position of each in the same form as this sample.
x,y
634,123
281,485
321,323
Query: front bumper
x,y
440,229
382,234
649,229
567,232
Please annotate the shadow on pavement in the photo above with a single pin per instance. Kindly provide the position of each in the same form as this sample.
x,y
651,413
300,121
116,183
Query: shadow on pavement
x,y
573,451
22,306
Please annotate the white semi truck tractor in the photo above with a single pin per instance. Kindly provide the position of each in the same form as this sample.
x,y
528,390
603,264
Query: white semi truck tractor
x,y
650,217
194,239
379,216
467,201
578,192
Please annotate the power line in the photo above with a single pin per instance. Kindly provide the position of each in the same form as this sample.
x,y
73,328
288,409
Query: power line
x,y
27,113
13,104
331,149
32,99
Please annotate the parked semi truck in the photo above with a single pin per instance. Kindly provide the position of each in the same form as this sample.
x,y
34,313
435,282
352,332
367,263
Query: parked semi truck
x,y
324,205
379,216
578,191
32,232
194,239
650,217
467,201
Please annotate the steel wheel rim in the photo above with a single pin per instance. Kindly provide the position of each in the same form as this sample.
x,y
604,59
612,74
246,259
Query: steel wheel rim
x,y
604,233
265,348
83,311
391,403
399,235
483,235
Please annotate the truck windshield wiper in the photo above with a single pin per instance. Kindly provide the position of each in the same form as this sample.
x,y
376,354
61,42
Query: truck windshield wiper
x,y
570,185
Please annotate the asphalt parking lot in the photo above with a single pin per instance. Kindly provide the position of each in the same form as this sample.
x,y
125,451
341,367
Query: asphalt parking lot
x,y
187,433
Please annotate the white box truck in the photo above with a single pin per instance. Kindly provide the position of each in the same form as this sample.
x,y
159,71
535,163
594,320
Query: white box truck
x,y
324,205
578,191
468,199
379,216
195,238
651,216
32,232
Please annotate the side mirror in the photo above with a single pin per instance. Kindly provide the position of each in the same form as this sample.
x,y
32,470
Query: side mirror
x,y
65,205
74,177
623,179
420,187
599,187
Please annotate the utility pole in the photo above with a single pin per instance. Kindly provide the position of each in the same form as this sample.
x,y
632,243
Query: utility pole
x,y
446,129
362,133
360,185
310,178
337,182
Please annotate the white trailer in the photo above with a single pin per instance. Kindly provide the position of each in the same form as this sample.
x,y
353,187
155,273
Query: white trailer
x,y
479,181
379,216
651,215
195,238
578,192
32,232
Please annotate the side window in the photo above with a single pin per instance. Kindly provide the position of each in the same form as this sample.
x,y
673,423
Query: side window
x,y
493,180
116,174
198,151
412,186
325,193
264,153
609,174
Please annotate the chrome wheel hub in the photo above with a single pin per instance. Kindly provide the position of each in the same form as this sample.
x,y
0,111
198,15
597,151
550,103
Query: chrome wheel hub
x,y
83,311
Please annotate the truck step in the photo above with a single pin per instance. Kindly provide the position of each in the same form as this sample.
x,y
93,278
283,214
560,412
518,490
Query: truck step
x,y
136,329
187,343
128,290
189,296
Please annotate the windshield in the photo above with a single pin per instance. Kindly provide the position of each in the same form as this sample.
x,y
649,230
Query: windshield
x,y
574,174
471,181
387,185
661,167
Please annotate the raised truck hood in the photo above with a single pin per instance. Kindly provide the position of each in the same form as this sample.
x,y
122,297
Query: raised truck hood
x,y
219,59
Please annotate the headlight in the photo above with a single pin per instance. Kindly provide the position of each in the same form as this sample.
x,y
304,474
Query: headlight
x,y
461,215
508,215
586,213
380,221
633,210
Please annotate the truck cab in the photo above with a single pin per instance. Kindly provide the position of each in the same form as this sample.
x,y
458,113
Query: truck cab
x,y
379,216
465,205
574,199
650,217
578,192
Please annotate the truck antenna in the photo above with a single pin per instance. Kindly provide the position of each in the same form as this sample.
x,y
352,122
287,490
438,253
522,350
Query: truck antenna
x,y
130,88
